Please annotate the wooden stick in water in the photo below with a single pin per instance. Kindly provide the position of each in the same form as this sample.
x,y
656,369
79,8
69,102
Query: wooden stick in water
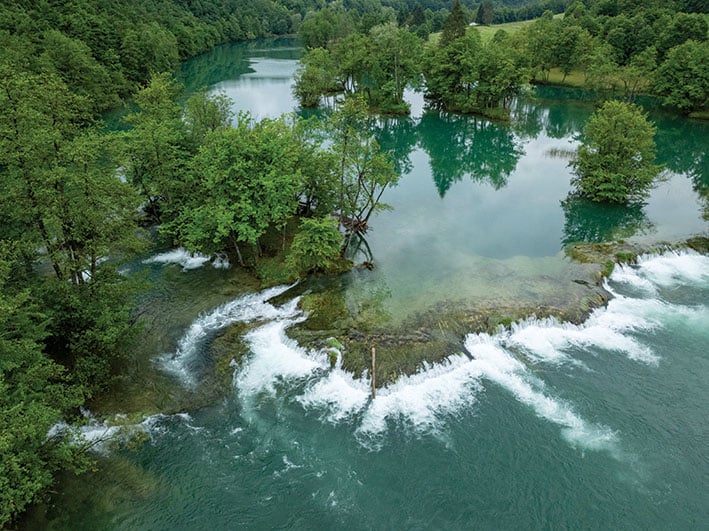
x,y
374,365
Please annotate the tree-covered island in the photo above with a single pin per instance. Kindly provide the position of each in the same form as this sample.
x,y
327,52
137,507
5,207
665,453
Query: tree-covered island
x,y
78,199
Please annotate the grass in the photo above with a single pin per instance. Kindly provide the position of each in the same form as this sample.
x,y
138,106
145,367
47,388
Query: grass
x,y
487,32
575,78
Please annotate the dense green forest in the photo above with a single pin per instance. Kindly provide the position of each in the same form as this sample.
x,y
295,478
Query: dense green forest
x,y
615,49
76,199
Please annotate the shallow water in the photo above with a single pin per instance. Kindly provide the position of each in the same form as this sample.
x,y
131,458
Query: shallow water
x,y
600,425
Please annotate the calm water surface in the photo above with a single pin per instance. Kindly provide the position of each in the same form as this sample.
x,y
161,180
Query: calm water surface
x,y
600,426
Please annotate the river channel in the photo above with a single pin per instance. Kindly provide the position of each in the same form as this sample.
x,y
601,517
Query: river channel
x,y
597,425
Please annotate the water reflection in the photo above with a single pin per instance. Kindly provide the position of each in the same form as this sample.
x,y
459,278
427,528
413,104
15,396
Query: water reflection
x,y
231,61
515,174
589,222
398,138
684,153
460,146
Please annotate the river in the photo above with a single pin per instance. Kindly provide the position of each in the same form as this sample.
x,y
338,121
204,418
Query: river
x,y
550,425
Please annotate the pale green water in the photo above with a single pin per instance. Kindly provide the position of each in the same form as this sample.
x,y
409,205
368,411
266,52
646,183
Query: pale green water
x,y
601,426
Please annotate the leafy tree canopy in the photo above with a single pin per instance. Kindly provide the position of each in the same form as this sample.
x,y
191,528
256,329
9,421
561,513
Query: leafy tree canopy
x,y
616,161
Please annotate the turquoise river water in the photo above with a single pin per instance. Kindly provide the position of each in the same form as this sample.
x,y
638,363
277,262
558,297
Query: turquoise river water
x,y
602,425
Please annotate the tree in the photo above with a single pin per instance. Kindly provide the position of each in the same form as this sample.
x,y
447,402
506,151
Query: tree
x,y
615,163
33,396
455,25
71,60
637,74
450,70
244,180
321,28
683,78
397,59
59,192
147,50
539,40
364,171
569,43
316,75
316,247
206,112
154,152
486,13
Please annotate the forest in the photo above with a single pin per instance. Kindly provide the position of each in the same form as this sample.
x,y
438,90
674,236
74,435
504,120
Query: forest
x,y
78,199
642,49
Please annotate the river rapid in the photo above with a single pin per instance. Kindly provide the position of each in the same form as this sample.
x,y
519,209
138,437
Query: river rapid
x,y
544,424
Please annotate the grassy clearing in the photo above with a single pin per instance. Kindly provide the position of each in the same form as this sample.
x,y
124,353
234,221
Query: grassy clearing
x,y
575,79
487,32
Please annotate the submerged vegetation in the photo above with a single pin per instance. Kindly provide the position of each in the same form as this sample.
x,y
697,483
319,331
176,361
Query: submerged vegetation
x,y
76,199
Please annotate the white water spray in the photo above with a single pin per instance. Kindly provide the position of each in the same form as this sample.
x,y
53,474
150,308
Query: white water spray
x,y
424,402
188,260
100,436
248,308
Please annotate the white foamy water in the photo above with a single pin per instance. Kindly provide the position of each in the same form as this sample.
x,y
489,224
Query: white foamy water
x,y
425,401
275,358
422,401
497,365
252,307
188,260
102,436
547,340
179,256
338,395
673,268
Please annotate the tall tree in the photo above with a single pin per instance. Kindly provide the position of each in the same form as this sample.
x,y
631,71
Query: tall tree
x,y
205,113
155,150
486,13
33,397
616,162
364,171
248,179
455,25
683,78
56,183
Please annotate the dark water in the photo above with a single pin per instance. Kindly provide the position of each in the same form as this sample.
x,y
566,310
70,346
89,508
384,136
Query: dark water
x,y
551,425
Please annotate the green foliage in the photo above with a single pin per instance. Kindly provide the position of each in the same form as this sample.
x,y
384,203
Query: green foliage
x,y
91,326
683,78
59,192
364,171
486,13
378,65
146,50
316,75
615,163
206,113
316,247
72,61
466,76
455,25
321,28
248,177
104,49
155,151
33,396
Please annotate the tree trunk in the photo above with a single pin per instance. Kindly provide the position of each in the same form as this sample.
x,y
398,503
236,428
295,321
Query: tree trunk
x,y
236,248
